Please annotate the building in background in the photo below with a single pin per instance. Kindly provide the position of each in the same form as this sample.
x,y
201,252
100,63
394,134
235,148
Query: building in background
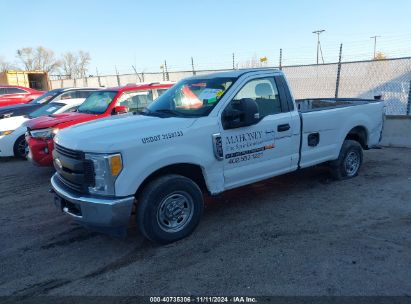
x,y
37,80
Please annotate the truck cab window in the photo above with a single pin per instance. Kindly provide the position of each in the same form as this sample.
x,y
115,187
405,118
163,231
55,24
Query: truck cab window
x,y
136,101
264,92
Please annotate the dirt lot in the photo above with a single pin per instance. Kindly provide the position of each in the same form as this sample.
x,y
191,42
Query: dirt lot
x,y
299,234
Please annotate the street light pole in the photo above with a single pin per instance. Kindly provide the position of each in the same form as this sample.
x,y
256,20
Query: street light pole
x,y
318,33
375,44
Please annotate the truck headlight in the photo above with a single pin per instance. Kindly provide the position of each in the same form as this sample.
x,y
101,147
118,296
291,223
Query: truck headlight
x,y
106,169
44,133
4,133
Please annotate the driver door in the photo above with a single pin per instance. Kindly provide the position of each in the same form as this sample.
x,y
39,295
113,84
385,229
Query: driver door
x,y
263,149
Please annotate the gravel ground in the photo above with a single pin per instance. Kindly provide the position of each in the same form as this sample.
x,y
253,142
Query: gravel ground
x,y
298,234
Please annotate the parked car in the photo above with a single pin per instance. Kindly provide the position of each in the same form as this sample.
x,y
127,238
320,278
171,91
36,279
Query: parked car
x,y
53,95
207,134
10,95
100,104
13,129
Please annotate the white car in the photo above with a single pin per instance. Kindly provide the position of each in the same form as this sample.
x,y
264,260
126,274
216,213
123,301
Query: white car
x,y
13,129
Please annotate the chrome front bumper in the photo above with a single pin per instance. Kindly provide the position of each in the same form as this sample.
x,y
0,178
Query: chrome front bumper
x,y
91,210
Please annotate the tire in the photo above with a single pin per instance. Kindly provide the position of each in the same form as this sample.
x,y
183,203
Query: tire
x,y
169,208
20,147
348,162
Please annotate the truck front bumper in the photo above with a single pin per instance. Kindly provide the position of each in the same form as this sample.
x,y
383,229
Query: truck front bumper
x,y
90,210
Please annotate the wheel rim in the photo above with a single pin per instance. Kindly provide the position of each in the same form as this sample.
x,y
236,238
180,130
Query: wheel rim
x,y
22,148
352,163
175,212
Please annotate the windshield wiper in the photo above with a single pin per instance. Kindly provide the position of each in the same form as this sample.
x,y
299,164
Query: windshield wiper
x,y
168,111
160,113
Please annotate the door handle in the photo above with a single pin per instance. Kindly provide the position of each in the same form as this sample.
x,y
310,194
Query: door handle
x,y
284,127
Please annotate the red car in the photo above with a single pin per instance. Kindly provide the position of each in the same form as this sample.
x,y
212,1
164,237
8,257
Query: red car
x,y
11,95
102,103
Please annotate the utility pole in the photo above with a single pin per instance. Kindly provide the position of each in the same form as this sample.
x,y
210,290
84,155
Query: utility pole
x,y
164,74
337,84
281,60
98,78
233,62
192,66
118,77
135,71
318,33
165,68
375,45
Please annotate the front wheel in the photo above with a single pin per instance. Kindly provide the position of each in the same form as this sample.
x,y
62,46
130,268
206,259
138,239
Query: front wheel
x,y
169,208
20,148
349,161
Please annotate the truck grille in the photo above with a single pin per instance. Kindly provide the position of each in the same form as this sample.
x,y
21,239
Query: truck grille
x,y
68,152
73,186
75,172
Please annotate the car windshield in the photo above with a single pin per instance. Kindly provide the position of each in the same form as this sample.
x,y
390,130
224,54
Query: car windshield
x,y
190,98
49,96
97,102
47,109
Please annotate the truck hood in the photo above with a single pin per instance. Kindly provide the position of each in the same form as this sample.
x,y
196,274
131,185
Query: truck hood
x,y
51,121
12,123
114,133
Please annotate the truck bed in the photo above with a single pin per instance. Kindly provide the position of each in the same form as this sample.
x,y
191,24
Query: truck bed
x,y
330,120
319,104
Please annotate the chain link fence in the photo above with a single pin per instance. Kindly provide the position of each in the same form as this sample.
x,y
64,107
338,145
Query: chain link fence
x,y
388,78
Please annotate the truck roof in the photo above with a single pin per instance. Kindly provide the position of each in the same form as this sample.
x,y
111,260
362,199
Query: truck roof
x,y
233,73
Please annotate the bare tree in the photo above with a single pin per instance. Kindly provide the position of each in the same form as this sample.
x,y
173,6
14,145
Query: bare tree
x,y
380,56
70,64
45,60
75,65
5,65
26,55
84,61
39,58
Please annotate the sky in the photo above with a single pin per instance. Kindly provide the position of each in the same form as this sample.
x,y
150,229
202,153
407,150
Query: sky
x,y
122,33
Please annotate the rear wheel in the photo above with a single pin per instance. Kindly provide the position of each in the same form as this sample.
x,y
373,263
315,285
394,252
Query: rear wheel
x,y
169,208
349,161
20,148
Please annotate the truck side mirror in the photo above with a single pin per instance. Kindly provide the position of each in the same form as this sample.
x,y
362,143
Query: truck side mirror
x,y
120,110
241,113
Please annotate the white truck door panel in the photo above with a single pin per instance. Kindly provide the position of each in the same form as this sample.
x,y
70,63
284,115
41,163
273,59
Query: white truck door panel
x,y
264,149
255,152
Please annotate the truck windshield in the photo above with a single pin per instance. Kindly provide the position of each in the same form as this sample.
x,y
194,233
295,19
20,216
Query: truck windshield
x,y
97,102
190,98
49,96
47,109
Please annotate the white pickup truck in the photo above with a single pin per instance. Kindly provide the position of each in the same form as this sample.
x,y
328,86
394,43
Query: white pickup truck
x,y
206,134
